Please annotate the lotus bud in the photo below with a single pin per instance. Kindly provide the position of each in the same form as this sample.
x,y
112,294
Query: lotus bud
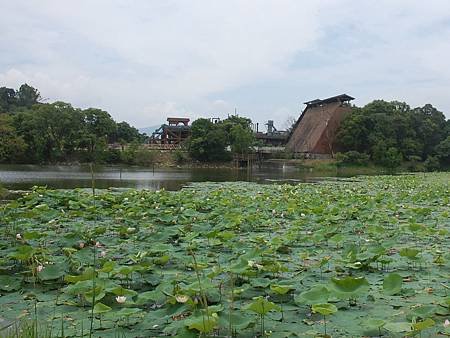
x,y
447,323
103,254
97,244
81,245
121,299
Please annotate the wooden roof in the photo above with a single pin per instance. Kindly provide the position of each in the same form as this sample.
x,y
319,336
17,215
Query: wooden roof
x,y
178,119
337,98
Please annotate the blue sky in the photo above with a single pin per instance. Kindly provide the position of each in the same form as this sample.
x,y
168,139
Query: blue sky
x,y
145,60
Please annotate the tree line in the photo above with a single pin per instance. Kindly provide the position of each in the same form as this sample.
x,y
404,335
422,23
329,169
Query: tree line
x,y
389,133
385,133
32,131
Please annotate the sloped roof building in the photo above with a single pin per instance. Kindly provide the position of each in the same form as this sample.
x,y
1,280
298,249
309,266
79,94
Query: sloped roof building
x,y
315,130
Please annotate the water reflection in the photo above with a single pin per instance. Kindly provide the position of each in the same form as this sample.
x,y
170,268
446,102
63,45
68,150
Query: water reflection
x,y
67,177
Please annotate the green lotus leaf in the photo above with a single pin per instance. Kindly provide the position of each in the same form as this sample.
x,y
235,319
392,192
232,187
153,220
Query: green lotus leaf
x,y
100,308
88,274
392,284
262,306
423,311
50,272
409,253
23,253
120,291
423,325
324,309
349,285
30,235
374,323
127,312
398,327
108,267
202,323
10,283
316,295
238,320
281,289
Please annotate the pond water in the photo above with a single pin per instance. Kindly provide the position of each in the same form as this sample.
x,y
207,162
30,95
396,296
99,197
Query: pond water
x,y
22,177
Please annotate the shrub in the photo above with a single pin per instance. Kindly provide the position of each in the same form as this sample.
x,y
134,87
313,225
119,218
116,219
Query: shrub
x,y
179,156
432,163
353,157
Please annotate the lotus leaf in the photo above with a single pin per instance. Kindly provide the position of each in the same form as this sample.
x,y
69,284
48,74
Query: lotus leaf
x,y
392,284
324,309
262,306
316,295
349,286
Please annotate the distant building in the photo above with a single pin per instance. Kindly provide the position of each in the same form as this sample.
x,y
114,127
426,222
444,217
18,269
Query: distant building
x,y
315,131
174,133
272,137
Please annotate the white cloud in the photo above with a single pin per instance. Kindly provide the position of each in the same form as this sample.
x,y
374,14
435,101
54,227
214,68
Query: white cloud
x,y
144,60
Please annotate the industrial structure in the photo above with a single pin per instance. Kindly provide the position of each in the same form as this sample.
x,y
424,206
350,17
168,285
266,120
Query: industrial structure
x,y
174,133
313,134
315,130
272,137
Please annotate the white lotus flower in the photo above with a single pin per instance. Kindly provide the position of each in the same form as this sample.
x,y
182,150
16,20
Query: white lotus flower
x,y
103,253
121,299
19,236
39,268
97,244
447,323
182,298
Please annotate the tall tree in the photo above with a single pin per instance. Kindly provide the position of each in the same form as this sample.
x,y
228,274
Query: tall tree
x,y
27,96
98,127
12,146
7,99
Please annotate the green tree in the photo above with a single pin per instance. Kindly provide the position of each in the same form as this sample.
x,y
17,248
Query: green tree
x,y
443,151
12,146
126,134
208,141
7,99
241,139
50,130
393,158
28,96
381,125
98,127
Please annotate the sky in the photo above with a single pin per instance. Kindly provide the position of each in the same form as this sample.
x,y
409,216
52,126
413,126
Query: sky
x,y
145,60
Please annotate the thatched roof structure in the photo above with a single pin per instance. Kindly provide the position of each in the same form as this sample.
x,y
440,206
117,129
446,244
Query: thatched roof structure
x,y
315,130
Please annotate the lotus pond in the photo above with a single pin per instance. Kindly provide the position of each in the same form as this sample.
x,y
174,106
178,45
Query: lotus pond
x,y
368,257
